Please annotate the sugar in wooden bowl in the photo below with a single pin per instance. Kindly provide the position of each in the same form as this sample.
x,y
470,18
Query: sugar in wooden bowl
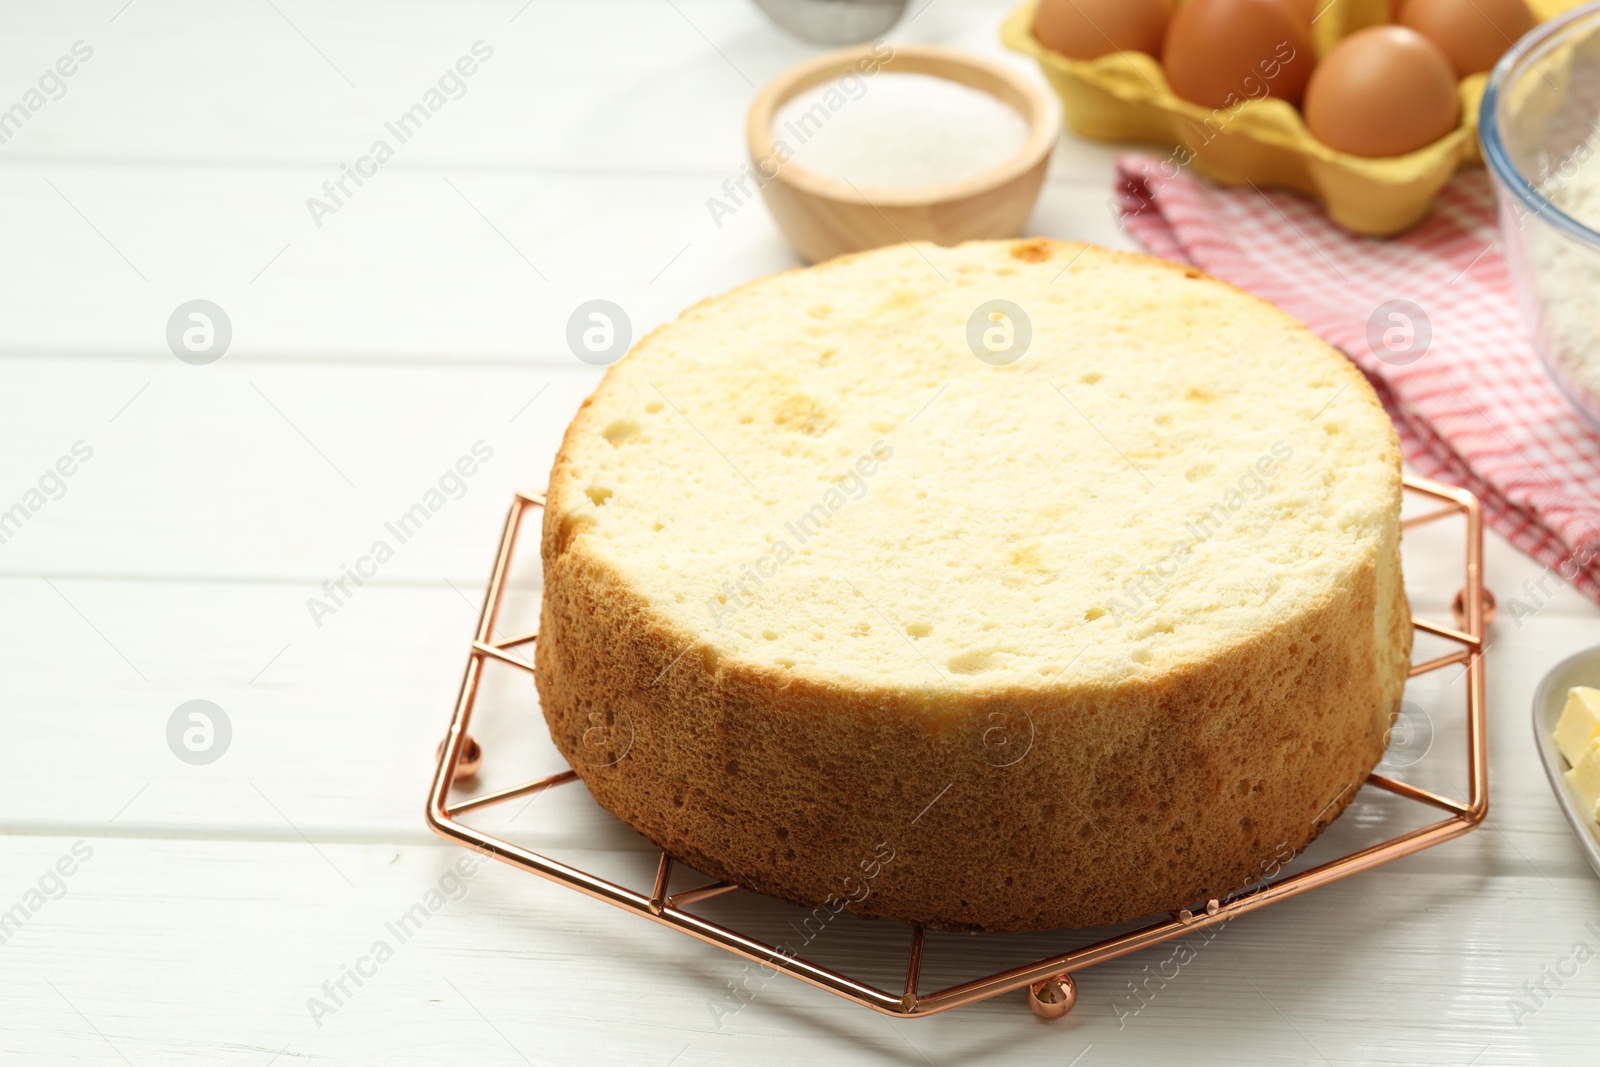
x,y
876,145
898,130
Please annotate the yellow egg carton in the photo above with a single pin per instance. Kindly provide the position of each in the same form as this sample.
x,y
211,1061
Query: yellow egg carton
x,y
1264,142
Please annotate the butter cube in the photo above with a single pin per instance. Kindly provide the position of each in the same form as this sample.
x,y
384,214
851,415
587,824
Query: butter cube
x,y
1585,777
1579,723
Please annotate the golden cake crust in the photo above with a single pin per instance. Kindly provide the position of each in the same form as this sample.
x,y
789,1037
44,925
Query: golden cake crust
x,y
1006,807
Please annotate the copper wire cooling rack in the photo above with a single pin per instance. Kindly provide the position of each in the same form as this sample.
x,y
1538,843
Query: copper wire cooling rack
x,y
1051,989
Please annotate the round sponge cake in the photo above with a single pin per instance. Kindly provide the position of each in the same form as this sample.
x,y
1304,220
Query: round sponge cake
x,y
1009,586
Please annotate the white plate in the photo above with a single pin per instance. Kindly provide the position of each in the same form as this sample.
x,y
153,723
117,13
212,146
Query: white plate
x,y
1548,700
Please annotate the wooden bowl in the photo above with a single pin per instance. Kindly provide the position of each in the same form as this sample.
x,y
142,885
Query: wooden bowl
x,y
823,217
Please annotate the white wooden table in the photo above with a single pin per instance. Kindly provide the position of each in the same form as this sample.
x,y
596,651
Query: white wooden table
x,y
425,314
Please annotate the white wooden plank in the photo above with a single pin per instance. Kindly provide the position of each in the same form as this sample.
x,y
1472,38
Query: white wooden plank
x,y
436,266
272,472
469,241
229,941
410,270
572,86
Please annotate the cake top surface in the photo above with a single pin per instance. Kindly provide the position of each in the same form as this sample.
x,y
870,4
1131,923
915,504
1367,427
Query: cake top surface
x,y
1004,464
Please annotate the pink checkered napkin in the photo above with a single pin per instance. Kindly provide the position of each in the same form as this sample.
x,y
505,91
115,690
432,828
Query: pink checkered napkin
x,y
1475,408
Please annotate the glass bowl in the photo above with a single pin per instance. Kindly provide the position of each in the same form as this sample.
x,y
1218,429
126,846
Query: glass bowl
x,y
1540,124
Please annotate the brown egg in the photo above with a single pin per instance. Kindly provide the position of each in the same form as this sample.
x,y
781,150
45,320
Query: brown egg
x,y
1382,91
1472,33
1307,10
1219,53
1088,29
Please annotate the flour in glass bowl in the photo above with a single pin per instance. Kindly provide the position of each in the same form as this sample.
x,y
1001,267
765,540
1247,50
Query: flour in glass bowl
x,y
1566,277
896,130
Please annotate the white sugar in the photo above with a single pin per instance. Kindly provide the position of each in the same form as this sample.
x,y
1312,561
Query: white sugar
x,y
892,129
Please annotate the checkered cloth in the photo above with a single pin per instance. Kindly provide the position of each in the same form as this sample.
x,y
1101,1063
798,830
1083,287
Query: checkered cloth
x,y
1473,404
